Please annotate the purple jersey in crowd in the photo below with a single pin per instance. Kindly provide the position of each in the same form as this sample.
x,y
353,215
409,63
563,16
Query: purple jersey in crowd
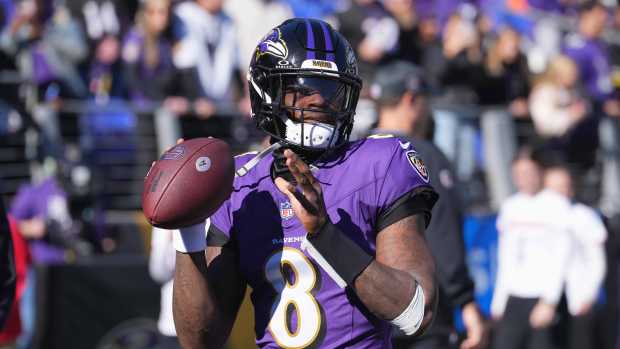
x,y
47,201
592,59
296,303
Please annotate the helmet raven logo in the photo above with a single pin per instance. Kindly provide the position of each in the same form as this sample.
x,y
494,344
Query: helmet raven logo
x,y
272,44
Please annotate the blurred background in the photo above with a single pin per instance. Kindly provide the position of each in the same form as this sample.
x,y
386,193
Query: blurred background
x,y
91,91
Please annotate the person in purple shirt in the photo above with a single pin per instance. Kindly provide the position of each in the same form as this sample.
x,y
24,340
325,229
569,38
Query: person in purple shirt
x,y
39,206
329,234
147,53
590,53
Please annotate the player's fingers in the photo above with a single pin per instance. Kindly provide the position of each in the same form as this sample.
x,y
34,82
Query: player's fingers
x,y
301,165
180,140
303,181
306,171
285,187
299,201
300,170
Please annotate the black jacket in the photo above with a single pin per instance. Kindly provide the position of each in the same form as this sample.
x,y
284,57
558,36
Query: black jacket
x,y
445,236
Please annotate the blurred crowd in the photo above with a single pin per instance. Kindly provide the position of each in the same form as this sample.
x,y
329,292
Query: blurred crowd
x,y
510,84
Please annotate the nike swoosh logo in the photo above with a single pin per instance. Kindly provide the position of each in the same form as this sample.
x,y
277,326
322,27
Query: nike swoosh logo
x,y
404,145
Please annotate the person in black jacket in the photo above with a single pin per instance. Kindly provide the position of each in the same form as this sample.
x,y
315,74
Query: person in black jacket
x,y
7,267
398,90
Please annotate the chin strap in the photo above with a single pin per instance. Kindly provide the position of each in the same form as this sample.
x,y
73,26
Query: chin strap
x,y
279,168
243,170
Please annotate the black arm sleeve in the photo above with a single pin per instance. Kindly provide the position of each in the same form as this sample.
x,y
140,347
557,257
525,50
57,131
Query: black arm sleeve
x,y
417,201
7,267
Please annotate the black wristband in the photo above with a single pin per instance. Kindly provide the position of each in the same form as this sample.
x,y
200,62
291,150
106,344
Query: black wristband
x,y
345,257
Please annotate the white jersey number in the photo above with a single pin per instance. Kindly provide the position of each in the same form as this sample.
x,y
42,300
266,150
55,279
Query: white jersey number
x,y
296,295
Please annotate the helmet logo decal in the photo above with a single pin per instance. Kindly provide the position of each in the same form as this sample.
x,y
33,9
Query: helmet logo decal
x,y
272,44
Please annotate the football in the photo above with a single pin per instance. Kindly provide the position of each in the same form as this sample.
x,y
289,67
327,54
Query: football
x,y
188,183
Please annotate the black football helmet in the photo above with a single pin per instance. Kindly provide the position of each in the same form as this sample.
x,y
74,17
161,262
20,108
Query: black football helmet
x,y
300,58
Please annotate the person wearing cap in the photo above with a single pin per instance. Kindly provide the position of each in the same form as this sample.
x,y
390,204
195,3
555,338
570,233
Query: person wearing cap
x,y
399,93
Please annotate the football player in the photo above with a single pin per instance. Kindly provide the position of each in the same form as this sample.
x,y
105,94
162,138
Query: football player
x,y
329,234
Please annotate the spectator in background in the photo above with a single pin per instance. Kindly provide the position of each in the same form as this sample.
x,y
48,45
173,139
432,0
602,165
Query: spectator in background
x,y
502,86
105,72
161,268
555,103
208,45
13,326
614,49
455,108
150,73
372,32
7,268
409,46
41,211
534,247
49,44
250,29
106,22
591,55
400,94
432,53
504,77
563,117
586,268
147,53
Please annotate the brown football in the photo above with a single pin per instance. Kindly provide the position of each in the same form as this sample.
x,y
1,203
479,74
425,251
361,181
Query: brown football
x,y
188,183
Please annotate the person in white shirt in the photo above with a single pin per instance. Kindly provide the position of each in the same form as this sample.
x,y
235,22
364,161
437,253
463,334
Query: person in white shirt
x,y
208,44
587,265
534,246
161,269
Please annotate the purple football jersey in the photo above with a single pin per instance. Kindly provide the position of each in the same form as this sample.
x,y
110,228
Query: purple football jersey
x,y
296,303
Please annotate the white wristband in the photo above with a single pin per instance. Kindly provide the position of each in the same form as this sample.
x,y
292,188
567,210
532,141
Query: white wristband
x,y
191,239
410,320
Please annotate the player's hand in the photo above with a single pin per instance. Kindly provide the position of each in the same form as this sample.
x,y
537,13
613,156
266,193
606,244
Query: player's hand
x,y
476,328
542,315
307,197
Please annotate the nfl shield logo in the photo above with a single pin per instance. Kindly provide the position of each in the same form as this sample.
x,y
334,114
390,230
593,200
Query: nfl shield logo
x,y
286,210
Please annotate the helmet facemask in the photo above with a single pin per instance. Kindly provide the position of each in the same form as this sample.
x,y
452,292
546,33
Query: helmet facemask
x,y
309,110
